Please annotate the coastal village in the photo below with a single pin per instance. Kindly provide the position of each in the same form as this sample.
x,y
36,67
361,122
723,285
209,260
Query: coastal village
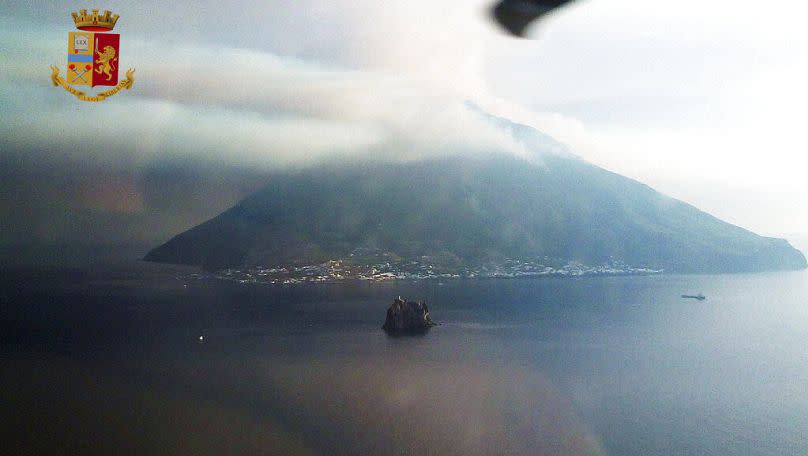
x,y
424,268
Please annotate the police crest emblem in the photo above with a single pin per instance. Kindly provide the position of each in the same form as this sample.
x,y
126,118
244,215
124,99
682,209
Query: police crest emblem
x,y
93,57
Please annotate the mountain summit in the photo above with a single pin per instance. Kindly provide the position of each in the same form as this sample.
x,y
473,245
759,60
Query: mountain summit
x,y
471,211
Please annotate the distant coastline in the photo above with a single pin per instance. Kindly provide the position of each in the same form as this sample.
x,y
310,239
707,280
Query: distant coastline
x,y
341,270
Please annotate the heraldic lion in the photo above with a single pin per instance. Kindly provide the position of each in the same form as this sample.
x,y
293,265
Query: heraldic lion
x,y
107,61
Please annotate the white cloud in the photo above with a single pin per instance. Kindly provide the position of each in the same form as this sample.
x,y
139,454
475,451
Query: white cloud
x,y
240,106
693,98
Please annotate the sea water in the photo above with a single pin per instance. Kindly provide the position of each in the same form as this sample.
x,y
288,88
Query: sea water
x,y
150,359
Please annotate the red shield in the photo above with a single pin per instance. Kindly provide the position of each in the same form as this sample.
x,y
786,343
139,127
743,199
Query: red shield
x,y
105,59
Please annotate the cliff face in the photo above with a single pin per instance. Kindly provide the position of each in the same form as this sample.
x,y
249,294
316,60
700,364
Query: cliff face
x,y
473,210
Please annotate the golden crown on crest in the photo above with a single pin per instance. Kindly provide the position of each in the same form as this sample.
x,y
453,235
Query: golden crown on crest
x,y
95,21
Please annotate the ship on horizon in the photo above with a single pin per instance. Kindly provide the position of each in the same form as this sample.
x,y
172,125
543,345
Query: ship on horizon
x,y
699,297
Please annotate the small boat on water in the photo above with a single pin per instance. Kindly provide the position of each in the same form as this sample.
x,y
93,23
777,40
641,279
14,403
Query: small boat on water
x,y
699,296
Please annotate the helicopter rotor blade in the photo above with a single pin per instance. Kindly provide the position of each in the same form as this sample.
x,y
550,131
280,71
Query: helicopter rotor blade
x,y
515,15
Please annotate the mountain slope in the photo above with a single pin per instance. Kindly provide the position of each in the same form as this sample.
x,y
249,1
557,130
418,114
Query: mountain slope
x,y
473,210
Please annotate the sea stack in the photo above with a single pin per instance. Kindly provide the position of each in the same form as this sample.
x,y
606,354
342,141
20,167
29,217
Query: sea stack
x,y
407,317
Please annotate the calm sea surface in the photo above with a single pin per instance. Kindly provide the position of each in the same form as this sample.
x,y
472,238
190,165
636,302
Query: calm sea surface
x,y
110,362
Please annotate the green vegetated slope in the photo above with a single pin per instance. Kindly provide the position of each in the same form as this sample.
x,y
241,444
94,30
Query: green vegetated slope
x,y
471,210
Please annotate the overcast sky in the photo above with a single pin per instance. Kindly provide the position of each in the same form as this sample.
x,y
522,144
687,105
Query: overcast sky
x,y
703,102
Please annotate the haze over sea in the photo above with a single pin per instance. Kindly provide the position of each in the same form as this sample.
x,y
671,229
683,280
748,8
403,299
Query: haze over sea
x,y
110,361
